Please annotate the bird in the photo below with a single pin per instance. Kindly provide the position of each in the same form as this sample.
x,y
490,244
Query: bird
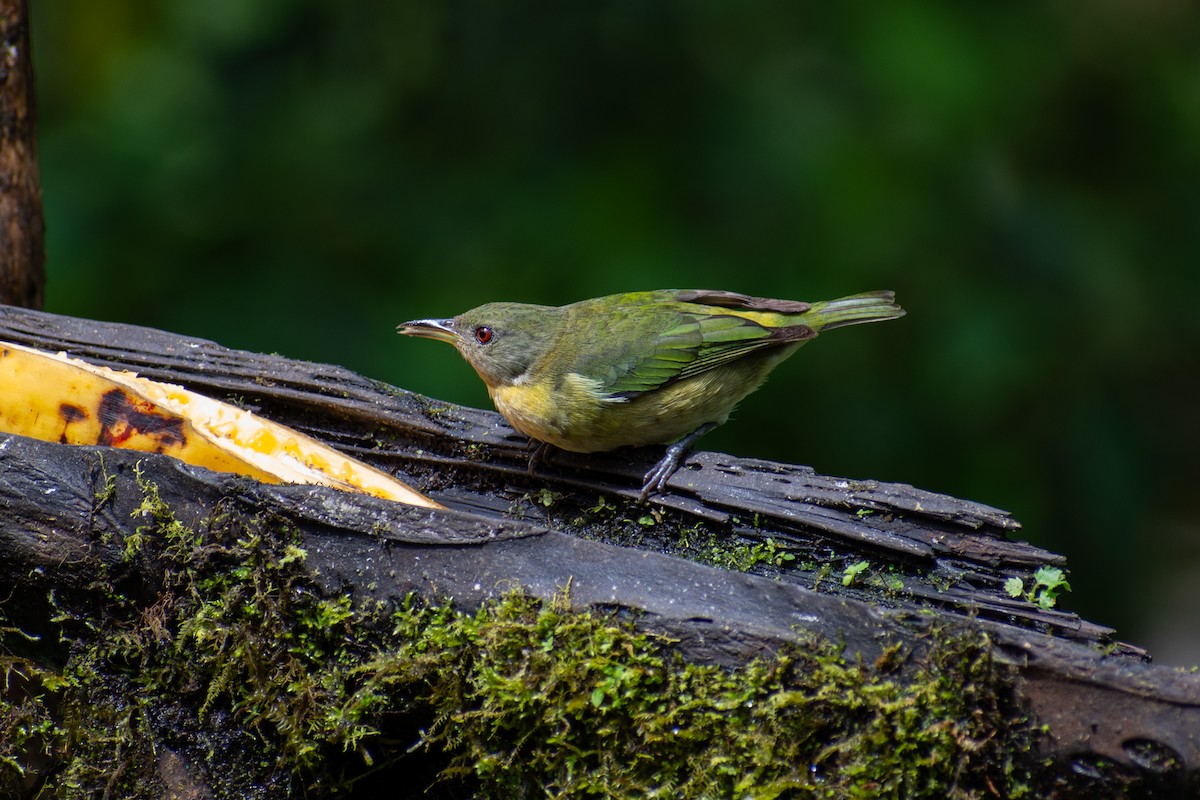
x,y
635,369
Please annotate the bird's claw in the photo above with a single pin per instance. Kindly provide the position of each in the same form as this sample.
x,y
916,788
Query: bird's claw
x,y
656,479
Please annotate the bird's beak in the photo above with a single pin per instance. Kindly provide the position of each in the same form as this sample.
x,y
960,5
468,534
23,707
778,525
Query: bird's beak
x,y
440,329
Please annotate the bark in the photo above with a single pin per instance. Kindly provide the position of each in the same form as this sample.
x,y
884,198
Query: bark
x,y
1110,717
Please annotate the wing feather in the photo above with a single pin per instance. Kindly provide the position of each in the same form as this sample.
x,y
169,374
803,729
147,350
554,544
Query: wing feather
x,y
695,344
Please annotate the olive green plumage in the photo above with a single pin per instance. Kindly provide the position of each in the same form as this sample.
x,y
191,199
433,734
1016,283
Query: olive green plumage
x,y
639,368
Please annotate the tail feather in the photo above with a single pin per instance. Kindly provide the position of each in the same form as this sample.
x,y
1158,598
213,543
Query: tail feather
x,y
853,310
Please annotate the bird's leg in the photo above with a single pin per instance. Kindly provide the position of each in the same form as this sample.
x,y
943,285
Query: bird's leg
x,y
541,454
656,479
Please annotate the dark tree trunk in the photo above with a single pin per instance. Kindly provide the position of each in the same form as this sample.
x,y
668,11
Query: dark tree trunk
x,y
22,252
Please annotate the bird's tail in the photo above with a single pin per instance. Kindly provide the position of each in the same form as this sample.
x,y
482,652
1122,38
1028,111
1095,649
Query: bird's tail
x,y
853,310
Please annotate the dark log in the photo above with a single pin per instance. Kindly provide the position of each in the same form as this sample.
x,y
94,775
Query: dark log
x,y
1104,706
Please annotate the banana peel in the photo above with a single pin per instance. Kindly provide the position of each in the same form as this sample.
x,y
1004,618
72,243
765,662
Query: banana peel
x,y
54,397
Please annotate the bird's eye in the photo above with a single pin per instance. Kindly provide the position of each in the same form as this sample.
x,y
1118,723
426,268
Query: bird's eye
x,y
484,334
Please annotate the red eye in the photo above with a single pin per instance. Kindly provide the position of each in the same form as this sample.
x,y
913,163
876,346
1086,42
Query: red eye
x,y
483,334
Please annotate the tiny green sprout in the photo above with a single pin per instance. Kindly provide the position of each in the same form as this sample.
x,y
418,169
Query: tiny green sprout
x,y
651,518
864,512
776,553
602,506
852,572
546,497
1048,582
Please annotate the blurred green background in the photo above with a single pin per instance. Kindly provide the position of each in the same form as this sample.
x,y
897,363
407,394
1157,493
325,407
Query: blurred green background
x,y
298,176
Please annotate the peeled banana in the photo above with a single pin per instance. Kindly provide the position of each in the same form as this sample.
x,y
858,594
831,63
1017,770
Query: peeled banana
x,y
54,397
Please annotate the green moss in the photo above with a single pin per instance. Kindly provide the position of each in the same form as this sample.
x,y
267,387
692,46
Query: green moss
x,y
580,706
744,556
29,734
271,689
108,488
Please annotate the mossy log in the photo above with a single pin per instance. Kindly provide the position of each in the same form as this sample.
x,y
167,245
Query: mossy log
x,y
729,563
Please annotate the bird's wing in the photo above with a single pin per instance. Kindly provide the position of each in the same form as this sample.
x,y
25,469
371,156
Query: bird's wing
x,y
692,344
716,297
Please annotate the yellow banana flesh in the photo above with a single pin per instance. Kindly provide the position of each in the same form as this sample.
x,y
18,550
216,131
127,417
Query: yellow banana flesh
x,y
54,397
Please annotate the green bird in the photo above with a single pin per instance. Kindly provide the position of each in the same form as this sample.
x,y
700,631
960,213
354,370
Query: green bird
x,y
635,369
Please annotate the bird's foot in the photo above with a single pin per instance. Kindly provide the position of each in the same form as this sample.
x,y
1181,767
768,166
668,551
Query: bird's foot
x,y
656,479
540,455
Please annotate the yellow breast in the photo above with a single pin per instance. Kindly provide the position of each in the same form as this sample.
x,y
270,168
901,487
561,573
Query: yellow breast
x,y
572,414
565,413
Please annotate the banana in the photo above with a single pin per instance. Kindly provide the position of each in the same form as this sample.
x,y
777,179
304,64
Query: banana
x,y
54,397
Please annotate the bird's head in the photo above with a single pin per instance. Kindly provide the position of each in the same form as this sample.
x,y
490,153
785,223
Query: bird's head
x,y
502,341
